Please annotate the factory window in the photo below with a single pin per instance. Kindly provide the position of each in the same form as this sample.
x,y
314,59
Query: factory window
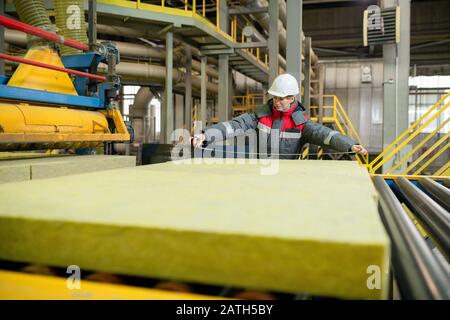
x,y
157,105
152,124
424,92
128,98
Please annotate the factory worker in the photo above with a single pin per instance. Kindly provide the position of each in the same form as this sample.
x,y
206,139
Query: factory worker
x,y
284,117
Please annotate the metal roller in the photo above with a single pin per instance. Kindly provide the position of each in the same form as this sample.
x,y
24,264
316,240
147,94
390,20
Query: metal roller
x,y
417,270
447,183
437,191
431,215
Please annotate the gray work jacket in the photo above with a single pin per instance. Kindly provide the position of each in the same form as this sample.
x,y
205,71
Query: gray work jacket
x,y
290,140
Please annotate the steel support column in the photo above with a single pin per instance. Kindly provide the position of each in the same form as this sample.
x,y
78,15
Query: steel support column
x,y
224,69
204,60
2,39
273,44
403,71
307,84
294,39
92,23
224,99
167,112
395,81
188,89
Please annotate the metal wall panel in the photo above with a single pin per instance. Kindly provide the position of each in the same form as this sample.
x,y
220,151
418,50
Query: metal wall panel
x,y
362,101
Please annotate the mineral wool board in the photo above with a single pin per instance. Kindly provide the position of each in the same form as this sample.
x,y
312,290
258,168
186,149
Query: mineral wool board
x,y
308,227
29,169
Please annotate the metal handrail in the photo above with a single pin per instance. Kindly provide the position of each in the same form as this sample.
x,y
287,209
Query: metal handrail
x,y
420,144
339,112
426,153
343,123
408,139
192,8
189,6
442,170
414,129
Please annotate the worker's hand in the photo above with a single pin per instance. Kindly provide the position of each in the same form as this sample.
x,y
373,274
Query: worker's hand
x,y
359,149
198,139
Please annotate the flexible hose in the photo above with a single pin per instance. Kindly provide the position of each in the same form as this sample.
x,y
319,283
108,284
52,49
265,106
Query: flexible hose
x,y
70,22
33,12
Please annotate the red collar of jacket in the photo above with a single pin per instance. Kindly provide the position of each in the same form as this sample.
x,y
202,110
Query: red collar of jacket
x,y
289,117
286,113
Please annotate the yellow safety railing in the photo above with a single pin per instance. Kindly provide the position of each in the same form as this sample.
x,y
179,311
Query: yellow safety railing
x,y
414,130
341,120
255,52
190,9
245,103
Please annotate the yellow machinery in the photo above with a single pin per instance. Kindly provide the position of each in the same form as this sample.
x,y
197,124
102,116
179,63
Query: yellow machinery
x,y
41,107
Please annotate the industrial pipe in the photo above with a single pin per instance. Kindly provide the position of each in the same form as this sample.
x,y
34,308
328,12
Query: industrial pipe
x,y
17,25
155,72
264,20
126,49
417,270
431,215
136,34
447,182
257,37
33,12
437,191
139,112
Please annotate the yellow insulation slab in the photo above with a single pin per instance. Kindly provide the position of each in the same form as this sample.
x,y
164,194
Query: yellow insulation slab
x,y
312,227
31,169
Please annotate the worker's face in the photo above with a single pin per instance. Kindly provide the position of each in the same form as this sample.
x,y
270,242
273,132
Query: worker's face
x,y
283,103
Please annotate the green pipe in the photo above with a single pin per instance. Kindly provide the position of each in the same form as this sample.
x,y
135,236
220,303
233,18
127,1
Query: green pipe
x,y
70,22
33,12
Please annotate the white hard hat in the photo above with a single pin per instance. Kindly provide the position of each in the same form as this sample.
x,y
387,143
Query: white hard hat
x,y
284,85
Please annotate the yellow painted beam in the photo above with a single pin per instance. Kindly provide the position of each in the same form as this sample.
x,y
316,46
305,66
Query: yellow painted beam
x,y
409,177
22,286
444,170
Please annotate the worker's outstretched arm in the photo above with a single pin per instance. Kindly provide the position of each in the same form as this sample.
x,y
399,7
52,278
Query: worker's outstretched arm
x,y
227,129
321,135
